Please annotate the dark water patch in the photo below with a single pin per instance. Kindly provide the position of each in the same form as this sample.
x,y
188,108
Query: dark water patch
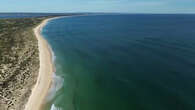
x,y
125,62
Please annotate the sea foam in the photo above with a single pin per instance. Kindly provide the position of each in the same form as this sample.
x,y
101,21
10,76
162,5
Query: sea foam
x,y
53,55
57,81
57,84
53,107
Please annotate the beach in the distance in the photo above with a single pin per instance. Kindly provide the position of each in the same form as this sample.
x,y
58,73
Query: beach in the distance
x,y
46,70
46,77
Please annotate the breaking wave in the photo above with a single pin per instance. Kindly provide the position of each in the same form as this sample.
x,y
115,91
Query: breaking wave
x,y
53,107
57,84
57,81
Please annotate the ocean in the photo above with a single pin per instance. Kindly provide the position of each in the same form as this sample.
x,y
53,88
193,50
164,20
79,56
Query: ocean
x,y
123,62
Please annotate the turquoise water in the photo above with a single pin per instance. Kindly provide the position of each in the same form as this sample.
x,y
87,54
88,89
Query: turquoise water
x,y
123,62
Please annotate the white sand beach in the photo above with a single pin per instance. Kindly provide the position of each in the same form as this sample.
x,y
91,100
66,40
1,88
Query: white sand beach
x,y
44,81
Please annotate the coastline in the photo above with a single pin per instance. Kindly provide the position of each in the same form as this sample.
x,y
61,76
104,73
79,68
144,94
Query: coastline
x,y
46,70
46,74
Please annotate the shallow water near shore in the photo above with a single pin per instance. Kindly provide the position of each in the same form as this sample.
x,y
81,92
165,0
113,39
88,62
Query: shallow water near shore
x,y
123,62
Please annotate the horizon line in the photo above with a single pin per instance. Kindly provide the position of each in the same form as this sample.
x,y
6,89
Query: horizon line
x,y
88,12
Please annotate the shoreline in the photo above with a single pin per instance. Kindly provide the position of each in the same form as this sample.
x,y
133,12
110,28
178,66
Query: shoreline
x,y
46,70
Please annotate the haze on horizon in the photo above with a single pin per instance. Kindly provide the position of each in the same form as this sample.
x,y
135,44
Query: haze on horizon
x,y
121,6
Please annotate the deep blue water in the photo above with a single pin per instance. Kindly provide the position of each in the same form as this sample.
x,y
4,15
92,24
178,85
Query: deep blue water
x,y
124,62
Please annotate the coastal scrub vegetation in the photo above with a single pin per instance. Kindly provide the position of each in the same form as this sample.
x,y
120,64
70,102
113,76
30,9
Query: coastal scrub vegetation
x,y
19,61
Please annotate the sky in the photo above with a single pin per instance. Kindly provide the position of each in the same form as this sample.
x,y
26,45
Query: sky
x,y
119,6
